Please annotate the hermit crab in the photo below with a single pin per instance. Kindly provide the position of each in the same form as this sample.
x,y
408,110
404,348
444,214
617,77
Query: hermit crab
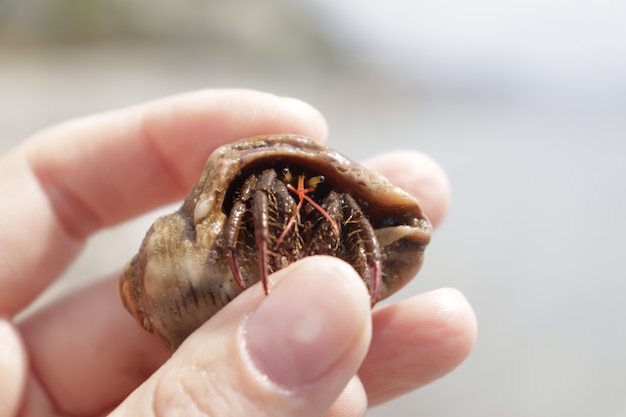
x,y
260,204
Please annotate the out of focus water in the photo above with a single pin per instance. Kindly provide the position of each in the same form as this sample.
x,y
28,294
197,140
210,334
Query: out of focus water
x,y
533,143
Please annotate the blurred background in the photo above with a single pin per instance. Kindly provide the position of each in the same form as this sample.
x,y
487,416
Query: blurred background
x,y
523,102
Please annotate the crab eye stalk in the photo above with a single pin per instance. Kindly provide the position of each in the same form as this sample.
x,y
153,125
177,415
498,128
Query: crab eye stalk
x,y
315,181
287,177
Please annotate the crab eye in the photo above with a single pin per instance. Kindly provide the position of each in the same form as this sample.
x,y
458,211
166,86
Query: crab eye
x,y
287,177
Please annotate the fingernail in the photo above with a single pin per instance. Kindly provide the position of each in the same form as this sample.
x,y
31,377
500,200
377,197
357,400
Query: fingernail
x,y
307,323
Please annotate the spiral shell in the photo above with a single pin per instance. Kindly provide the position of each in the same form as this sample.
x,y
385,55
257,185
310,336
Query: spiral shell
x,y
180,277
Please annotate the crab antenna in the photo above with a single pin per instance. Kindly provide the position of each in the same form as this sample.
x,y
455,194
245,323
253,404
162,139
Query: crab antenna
x,y
302,192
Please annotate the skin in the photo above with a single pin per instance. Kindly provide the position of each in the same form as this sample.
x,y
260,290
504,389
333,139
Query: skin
x,y
312,348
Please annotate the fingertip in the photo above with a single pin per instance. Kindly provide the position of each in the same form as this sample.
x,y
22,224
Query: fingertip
x,y
12,369
454,314
315,318
419,175
418,340
443,322
309,116
206,118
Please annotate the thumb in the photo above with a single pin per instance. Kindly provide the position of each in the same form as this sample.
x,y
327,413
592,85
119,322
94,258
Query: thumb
x,y
287,354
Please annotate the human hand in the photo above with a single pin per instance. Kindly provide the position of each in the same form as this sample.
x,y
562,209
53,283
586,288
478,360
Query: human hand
x,y
84,355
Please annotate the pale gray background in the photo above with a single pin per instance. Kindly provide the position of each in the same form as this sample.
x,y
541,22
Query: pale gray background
x,y
522,101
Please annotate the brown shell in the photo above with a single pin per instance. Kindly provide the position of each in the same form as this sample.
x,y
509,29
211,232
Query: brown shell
x,y
180,277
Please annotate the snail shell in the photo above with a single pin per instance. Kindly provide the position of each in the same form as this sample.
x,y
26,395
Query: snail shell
x,y
181,277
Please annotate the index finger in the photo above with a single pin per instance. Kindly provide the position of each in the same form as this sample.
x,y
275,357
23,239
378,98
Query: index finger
x,y
69,181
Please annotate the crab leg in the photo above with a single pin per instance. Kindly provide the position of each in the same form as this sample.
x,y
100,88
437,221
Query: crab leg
x,y
234,223
233,226
369,241
261,233
260,207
